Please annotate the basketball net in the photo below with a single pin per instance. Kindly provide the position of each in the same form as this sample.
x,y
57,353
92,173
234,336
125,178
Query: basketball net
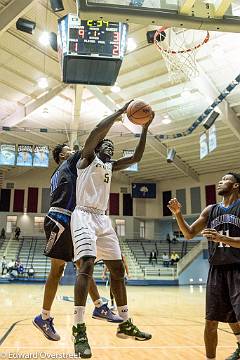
x,y
179,48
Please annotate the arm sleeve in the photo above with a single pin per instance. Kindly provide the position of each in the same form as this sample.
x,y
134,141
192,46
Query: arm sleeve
x,y
72,161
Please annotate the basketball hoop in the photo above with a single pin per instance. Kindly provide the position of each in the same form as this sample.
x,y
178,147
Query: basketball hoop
x,y
179,48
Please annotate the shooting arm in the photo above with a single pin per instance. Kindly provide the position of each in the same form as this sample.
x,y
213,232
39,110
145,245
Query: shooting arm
x,y
123,163
98,134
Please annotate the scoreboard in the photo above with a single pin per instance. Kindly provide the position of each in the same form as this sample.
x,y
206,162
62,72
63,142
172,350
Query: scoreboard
x,y
97,38
91,51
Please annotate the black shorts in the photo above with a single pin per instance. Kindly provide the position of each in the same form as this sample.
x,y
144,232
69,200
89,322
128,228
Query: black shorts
x,y
223,293
59,240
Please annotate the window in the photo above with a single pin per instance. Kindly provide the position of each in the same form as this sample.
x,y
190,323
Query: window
x,y
120,227
38,224
11,223
142,229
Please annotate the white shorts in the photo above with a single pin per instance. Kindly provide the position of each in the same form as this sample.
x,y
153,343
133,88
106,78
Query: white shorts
x,y
93,235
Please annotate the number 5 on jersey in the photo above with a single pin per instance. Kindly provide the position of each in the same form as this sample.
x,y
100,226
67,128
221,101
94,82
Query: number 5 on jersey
x,y
107,178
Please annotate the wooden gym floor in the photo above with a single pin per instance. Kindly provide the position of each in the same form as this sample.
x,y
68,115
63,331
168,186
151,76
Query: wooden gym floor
x,y
174,316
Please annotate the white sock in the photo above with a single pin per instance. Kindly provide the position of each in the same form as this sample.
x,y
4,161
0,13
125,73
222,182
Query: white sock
x,y
79,315
98,303
45,314
123,312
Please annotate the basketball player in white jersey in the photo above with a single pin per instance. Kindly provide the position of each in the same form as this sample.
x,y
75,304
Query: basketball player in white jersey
x,y
92,231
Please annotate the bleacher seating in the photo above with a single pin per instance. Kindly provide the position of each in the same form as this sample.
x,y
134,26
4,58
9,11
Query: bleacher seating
x,y
31,255
30,252
142,248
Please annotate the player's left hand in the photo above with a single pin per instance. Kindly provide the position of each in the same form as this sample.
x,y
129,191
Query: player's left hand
x,y
124,108
212,235
150,121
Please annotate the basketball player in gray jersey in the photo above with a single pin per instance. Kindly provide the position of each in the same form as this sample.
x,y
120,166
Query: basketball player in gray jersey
x,y
222,229
92,231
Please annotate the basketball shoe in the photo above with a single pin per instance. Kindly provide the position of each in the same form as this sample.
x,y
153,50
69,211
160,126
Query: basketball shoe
x,y
236,354
81,346
46,327
127,330
104,313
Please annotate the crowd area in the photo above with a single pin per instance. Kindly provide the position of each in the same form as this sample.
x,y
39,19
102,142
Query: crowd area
x,y
14,268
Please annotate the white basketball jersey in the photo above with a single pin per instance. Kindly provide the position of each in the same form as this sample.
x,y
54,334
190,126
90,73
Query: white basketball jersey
x,y
93,185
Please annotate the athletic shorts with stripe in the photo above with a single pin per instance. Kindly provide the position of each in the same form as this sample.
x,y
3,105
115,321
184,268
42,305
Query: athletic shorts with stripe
x,y
93,235
58,233
223,293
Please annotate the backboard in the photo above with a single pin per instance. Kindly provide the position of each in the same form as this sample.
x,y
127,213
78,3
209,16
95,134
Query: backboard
x,y
215,15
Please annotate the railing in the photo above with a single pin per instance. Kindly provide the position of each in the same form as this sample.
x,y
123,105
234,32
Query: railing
x,y
20,247
132,261
191,255
170,272
29,254
184,249
33,253
45,268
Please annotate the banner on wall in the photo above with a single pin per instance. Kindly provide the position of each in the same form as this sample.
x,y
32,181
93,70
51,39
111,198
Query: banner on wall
x,y
203,146
40,155
24,155
7,154
212,138
133,167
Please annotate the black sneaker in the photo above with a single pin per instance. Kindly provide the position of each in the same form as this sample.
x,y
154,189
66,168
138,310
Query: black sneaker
x,y
127,329
81,345
236,354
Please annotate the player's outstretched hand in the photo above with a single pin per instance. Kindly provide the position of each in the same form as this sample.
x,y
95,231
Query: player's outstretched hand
x,y
174,206
124,108
150,121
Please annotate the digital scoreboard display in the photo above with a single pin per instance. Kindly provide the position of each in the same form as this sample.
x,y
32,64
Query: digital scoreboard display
x,y
90,51
97,38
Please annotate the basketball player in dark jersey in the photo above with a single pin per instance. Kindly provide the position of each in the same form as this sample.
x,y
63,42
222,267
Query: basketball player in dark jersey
x,y
59,245
220,224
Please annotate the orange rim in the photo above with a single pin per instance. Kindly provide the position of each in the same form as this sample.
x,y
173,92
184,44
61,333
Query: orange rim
x,y
162,28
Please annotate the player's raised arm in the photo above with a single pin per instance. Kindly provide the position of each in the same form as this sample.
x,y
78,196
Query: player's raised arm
x,y
124,162
189,231
99,133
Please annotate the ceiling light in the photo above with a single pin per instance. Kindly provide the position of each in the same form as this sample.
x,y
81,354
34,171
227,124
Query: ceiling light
x,y
115,88
210,120
131,44
171,155
43,83
166,120
25,25
53,41
44,38
186,93
57,5
217,51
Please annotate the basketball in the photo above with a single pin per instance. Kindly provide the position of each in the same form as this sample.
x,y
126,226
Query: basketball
x,y
139,112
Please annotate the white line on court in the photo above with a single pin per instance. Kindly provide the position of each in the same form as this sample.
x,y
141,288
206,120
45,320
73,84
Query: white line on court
x,y
119,347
